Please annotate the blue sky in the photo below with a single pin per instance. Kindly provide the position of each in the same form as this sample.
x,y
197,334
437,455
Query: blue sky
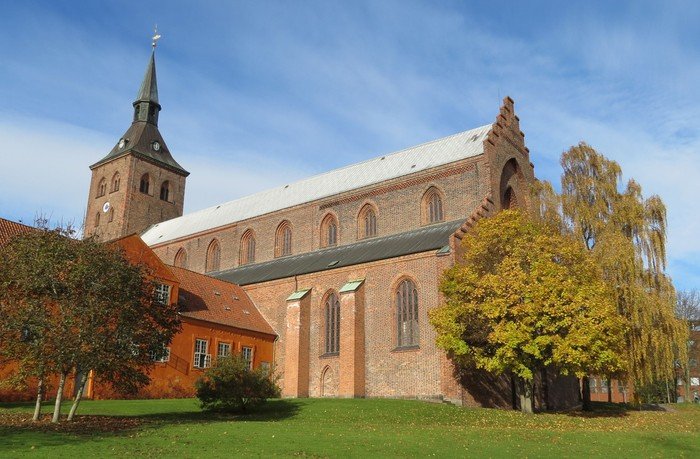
x,y
259,93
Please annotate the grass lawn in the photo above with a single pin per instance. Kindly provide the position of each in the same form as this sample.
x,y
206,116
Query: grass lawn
x,y
356,428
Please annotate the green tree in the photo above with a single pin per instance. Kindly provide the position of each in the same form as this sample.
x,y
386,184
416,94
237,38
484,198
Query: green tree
x,y
230,385
524,298
71,306
627,236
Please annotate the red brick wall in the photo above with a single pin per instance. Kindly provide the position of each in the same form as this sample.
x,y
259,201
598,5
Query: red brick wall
x,y
133,211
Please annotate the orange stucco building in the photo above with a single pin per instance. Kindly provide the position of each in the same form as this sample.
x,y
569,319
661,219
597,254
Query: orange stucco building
x,y
218,319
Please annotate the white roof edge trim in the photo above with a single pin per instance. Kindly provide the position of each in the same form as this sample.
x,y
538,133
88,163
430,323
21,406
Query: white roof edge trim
x,y
397,164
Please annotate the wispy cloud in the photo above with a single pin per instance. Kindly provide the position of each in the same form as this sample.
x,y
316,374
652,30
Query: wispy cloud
x,y
259,94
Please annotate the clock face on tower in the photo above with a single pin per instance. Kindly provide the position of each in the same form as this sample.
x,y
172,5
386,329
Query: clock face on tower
x,y
156,145
122,142
106,207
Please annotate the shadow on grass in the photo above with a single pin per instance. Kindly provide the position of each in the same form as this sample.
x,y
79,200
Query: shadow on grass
x,y
273,410
19,432
615,410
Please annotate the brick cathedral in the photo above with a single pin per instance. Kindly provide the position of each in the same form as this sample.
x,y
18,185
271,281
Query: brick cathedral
x,y
345,265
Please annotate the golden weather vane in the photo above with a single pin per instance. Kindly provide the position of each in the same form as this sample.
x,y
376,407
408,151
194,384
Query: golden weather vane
x,y
155,37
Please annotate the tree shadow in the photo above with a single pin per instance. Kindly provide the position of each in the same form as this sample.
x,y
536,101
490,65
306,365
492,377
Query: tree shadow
x,y
615,410
272,410
18,431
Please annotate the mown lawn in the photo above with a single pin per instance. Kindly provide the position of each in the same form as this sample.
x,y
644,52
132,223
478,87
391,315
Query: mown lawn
x,y
352,428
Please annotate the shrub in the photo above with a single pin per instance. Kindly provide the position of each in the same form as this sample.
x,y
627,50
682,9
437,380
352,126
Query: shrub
x,y
230,386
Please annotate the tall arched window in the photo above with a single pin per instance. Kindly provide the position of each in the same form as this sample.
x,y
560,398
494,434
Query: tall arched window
x,y
367,222
329,231
165,191
407,314
116,179
111,215
331,312
102,187
247,248
283,239
145,184
432,206
510,200
181,259
97,219
213,257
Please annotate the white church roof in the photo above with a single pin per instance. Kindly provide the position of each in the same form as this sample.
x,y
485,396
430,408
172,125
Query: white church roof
x,y
404,162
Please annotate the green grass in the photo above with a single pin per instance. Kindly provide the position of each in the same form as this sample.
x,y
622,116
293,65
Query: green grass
x,y
361,428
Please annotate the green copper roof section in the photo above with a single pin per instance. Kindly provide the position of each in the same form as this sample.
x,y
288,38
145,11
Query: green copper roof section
x,y
298,295
149,87
351,286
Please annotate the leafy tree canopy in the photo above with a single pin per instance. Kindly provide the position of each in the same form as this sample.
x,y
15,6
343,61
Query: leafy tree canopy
x,y
526,297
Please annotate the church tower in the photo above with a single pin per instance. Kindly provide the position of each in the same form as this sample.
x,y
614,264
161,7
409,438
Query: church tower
x,y
138,183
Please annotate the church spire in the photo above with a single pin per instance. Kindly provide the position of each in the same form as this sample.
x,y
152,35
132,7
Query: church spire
x,y
146,105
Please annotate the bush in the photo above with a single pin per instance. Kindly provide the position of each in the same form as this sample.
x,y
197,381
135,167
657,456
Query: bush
x,y
230,386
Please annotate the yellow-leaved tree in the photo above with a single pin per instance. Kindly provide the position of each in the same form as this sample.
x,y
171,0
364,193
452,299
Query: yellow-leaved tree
x,y
626,234
524,298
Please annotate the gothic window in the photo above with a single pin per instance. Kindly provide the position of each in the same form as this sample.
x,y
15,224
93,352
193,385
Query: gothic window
x,y
97,219
432,206
181,259
332,324
367,222
145,184
283,239
510,201
165,191
111,214
102,188
213,256
407,314
329,231
115,182
247,248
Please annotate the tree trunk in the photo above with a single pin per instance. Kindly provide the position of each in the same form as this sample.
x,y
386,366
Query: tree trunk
x,y
610,387
59,398
668,393
78,396
513,392
39,393
526,396
585,394
545,390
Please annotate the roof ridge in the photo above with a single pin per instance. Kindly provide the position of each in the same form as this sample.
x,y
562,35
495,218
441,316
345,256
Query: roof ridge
x,y
355,176
267,190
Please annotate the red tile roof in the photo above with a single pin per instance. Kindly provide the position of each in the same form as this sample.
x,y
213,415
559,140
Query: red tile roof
x,y
9,229
213,300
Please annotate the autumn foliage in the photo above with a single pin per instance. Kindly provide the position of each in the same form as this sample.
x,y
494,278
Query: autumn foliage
x,y
68,307
525,297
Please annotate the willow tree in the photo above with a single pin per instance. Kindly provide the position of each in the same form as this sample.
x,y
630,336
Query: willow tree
x,y
525,298
627,236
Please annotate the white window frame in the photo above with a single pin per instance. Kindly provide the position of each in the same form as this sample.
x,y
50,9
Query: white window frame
x,y
249,358
162,293
201,358
224,345
165,358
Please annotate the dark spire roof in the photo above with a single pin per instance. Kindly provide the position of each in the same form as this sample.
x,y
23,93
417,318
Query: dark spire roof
x,y
149,87
143,134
